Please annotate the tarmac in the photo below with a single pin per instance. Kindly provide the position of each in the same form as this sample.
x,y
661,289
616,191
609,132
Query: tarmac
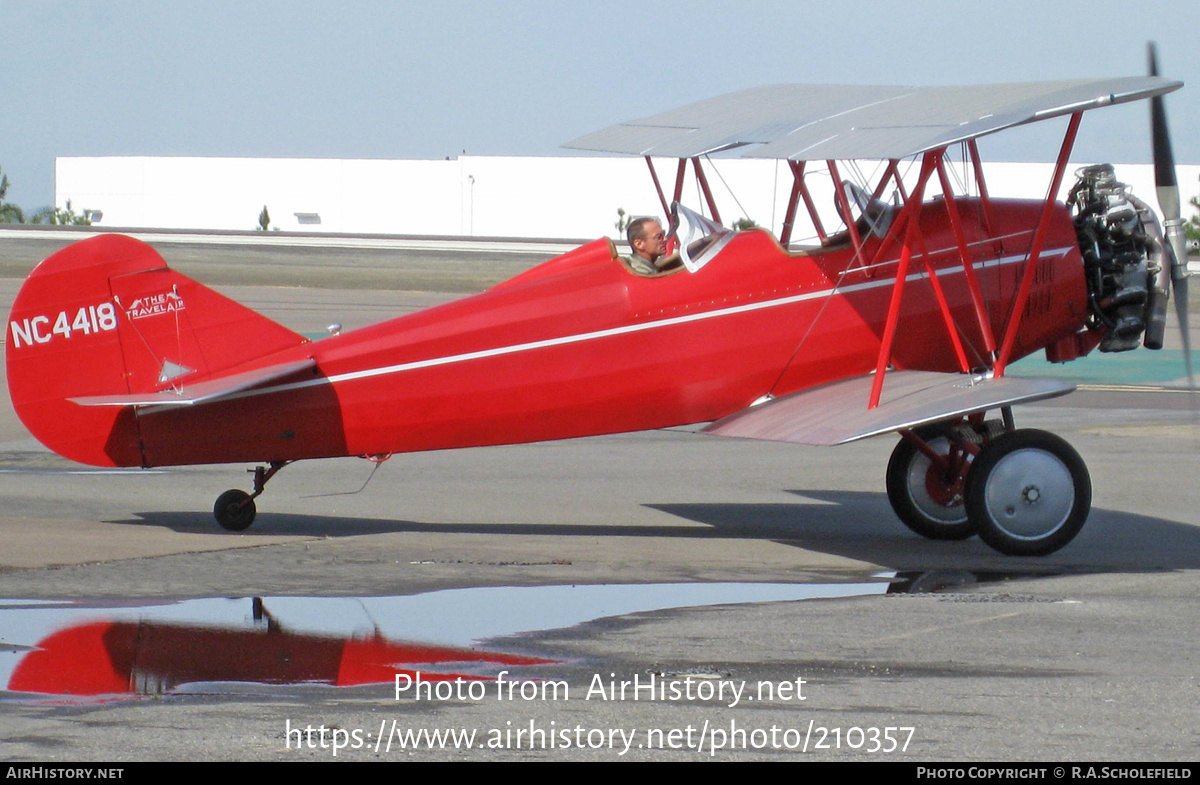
x,y
1088,654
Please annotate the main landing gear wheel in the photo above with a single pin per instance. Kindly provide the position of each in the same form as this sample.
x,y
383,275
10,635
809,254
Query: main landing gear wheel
x,y
1028,493
927,498
234,510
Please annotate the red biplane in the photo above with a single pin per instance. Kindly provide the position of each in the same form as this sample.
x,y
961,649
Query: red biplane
x,y
903,317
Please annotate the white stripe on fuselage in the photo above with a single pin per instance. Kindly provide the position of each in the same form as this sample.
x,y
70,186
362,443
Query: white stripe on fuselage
x,y
629,328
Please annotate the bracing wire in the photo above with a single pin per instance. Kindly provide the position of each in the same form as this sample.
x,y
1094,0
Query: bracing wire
x,y
738,202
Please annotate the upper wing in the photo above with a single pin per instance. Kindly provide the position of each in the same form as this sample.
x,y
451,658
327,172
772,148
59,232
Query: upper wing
x,y
910,399
821,122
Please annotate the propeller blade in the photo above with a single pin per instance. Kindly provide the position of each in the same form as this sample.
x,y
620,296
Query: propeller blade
x,y
1179,290
1164,159
1181,311
1168,200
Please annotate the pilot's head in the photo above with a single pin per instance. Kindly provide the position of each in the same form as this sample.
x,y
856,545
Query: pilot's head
x,y
646,238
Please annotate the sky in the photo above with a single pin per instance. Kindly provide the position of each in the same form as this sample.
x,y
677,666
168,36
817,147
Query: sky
x,y
398,79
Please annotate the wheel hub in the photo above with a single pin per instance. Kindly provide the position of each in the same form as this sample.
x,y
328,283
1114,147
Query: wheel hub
x,y
942,486
943,491
1031,491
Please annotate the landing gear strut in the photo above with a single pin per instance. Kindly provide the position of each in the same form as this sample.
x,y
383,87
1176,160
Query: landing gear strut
x,y
1024,492
235,509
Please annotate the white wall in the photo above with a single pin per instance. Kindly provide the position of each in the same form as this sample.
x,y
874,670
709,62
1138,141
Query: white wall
x,y
567,197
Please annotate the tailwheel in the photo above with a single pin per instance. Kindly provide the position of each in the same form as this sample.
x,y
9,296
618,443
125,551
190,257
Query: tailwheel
x,y
235,510
1028,493
926,490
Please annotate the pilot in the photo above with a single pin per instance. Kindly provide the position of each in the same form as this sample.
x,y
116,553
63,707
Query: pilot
x,y
649,243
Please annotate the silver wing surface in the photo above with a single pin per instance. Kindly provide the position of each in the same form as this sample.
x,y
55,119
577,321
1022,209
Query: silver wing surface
x,y
836,413
841,122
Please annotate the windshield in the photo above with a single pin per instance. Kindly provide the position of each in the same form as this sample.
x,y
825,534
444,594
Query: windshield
x,y
699,238
876,214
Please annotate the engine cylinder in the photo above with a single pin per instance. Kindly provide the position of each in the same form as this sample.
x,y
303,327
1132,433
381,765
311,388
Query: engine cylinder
x,y
1119,264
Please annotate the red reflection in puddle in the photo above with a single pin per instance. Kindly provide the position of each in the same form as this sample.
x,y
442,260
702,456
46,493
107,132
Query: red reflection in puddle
x,y
112,658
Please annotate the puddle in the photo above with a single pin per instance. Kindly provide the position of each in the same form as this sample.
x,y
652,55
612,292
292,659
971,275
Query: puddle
x,y
83,648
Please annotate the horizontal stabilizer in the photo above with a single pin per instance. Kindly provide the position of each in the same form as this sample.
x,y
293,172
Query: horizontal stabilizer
x,y
837,413
206,391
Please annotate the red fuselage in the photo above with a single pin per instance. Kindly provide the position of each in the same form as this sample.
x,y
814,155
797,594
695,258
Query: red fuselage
x,y
580,346
576,346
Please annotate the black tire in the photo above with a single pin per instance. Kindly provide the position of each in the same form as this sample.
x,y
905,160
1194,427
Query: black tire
x,y
234,510
907,491
1028,493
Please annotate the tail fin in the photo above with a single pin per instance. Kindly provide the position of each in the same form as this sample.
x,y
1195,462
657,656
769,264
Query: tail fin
x,y
105,317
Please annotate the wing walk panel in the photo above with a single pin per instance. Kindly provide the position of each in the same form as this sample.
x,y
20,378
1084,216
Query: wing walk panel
x,y
837,413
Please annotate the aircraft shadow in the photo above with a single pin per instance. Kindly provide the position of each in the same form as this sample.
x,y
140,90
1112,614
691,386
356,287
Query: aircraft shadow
x,y
860,525
852,524
271,524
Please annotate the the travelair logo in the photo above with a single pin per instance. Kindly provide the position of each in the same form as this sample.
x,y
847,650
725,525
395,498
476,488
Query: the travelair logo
x,y
154,305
